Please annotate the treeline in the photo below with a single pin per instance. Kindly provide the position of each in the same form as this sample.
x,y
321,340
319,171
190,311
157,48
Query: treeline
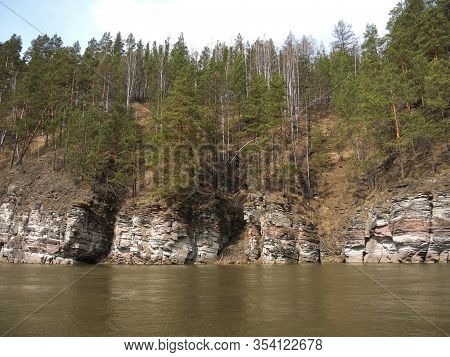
x,y
70,101
391,95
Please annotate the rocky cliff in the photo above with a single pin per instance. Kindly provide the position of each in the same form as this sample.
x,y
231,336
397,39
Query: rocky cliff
x,y
58,227
276,233
52,219
266,231
48,219
156,234
45,237
412,229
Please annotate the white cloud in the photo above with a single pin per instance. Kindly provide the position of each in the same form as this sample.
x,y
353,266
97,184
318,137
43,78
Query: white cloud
x,y
204,22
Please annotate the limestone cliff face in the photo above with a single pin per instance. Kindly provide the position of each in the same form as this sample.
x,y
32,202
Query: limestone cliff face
x,y
276,234
43,235
272,233
150,236
41,228
157,235
413,229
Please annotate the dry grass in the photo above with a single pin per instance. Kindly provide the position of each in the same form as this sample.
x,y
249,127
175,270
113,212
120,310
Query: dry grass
x,y
142,113
35,182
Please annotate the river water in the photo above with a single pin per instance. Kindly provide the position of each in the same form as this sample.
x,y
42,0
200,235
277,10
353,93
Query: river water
x,y
215,300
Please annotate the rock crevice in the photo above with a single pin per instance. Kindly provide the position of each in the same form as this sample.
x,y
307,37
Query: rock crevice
x,y
157,234
276,234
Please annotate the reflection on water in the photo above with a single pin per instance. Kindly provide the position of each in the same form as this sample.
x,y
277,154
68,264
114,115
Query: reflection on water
x,y
254,300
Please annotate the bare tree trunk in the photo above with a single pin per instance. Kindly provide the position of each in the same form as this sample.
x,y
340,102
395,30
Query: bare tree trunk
x,y
246,73
397,132
25,149
72,88
131,75
103,93
222,123
161,86
54,153
228,135
107,92
93,93
16,141
307,144
2,137
227,97
15,150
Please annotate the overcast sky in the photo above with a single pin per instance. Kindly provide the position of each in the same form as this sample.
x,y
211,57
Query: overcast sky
x,y
202,21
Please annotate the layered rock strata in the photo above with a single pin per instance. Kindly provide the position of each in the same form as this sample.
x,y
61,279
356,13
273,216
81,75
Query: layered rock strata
x,y
276,234
158,235
414,229
44,235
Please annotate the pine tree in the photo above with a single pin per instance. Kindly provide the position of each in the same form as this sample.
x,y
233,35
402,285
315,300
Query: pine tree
x,y
345,39
254,113
274,105
179,135
179,59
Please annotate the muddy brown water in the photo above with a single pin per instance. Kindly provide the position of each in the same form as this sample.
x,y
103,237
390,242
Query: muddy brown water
x,y
215,300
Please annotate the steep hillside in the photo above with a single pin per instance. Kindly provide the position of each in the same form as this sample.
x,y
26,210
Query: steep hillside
x,y
348,201
50,216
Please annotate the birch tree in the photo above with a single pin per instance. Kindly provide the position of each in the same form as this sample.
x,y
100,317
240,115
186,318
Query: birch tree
x,y
131,67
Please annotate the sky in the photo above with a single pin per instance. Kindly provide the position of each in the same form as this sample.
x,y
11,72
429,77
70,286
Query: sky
x,y
202,22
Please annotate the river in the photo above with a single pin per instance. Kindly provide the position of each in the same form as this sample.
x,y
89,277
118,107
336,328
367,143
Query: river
x,y
216,300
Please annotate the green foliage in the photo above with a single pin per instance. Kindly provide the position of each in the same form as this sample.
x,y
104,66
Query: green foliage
x,y
100,147
265,106
179,134
179,59
437,86
391,95
254,105
399,99
342,83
